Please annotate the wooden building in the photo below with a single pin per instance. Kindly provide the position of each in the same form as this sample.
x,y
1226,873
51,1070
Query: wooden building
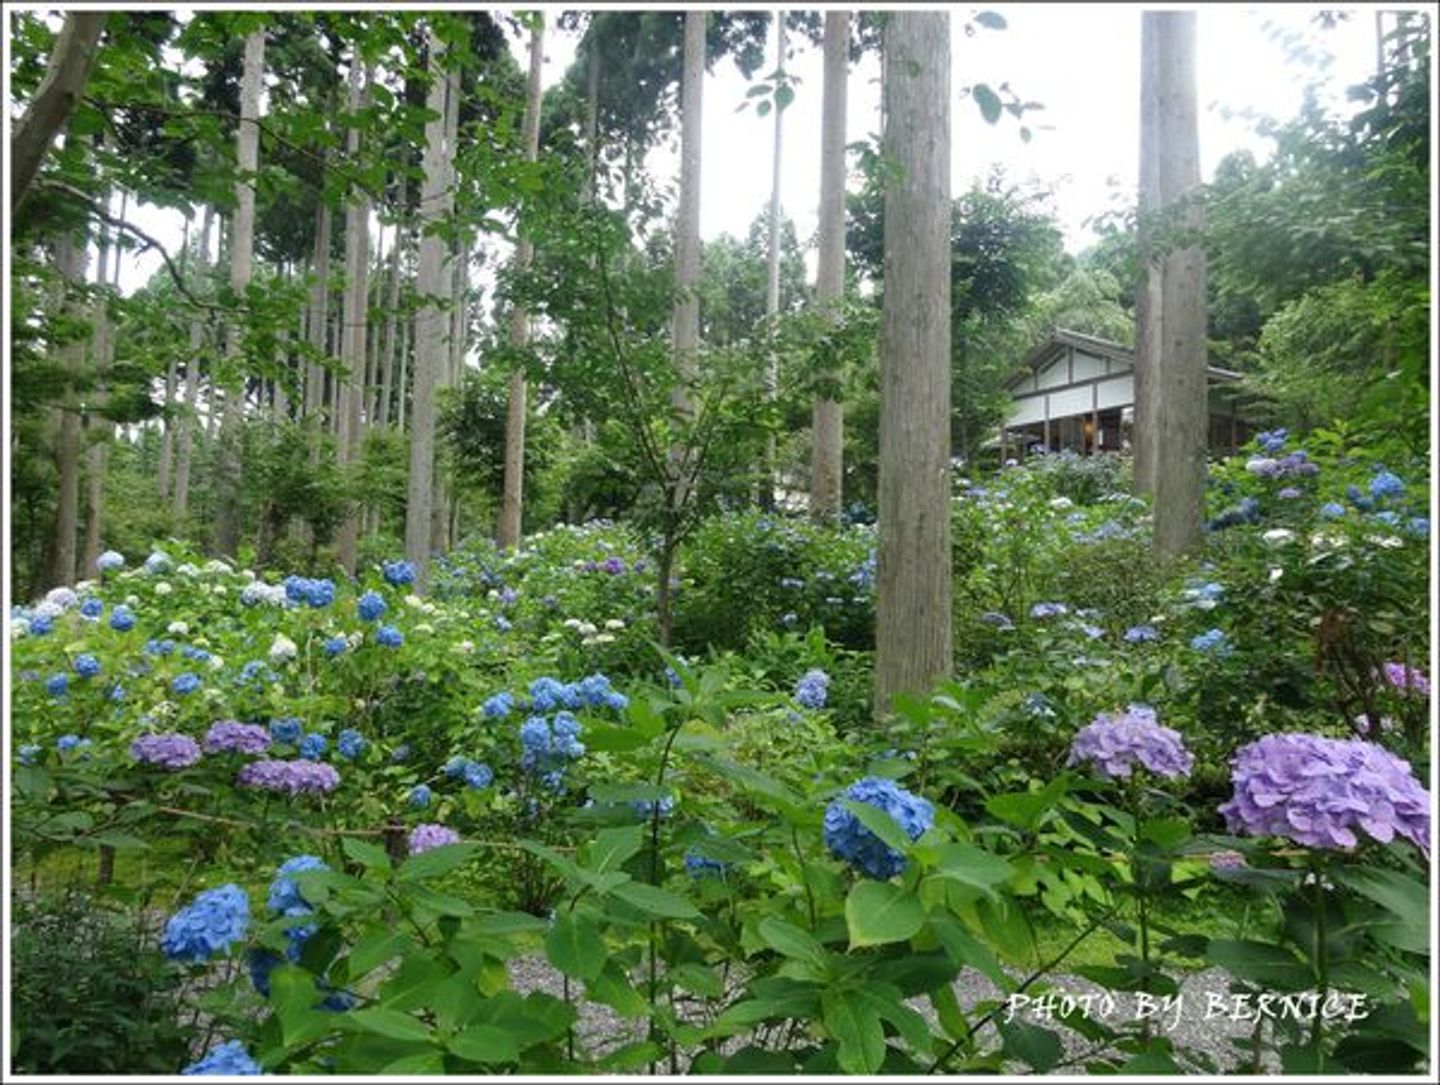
x,y
1078,392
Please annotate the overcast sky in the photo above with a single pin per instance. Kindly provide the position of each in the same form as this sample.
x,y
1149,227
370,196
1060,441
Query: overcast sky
x,y
1081,61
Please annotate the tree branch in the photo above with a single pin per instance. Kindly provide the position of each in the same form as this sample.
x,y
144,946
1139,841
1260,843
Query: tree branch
x,y
71,62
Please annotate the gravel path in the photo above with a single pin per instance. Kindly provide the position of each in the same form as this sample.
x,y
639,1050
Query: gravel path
x,y
1184,1020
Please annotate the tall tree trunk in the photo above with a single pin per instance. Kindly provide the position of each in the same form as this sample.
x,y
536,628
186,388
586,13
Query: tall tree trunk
x,y
828,419
97,453
913,637
392,321
172,382
318,322
242,262
1177,427
184,441
441,502
772,277
71,61
1147,288
592,118
71,259
354,324
685,327
429,325
512,493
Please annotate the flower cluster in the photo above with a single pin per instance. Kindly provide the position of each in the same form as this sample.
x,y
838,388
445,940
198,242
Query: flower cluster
x,y
1319,791
122,619
350,743
169,751
548,694
1114,744
1048,610
1272,441
812,689
1141,634
498,706
217,918
86,665
236,736
256,592
286,729
290,777
1407,679
399,573
389,637
1212,641
429,835
1386,484
847,837
314,593
1297,463
109,561
476,774
229,1059
548,747
371,606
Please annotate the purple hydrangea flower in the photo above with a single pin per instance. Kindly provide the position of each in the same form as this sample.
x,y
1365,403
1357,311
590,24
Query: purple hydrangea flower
x,y
427,836
1139,634
1223,861
1319,791
290,777
1114,743
169,751
1407,679
240,737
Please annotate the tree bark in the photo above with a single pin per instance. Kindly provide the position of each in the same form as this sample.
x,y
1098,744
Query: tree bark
x,y
913,635
242,263
71,61
512,492
184,441
98,441
828,420
392,322
685,334
429,326
1177,429
440,507
172,383
354,324
1147,289
71,259
772,277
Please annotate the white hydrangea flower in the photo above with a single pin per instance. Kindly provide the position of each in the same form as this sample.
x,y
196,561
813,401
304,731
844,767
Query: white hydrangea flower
x,y
178,629
1277,536
248,574
47,609
163,588
19,627
164,710
283,649
465,647
424,627
187,569
215,565
571,623
216,663
585,629
110,561
614,623
84,587
414,601
219,589
1276,573
1389,542
600,638
64,598
1061,503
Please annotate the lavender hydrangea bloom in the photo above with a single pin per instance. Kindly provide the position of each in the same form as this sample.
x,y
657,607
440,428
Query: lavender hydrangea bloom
x,y
290,777
1113,744
236,736
1139,634
847,837
228,1059
168,751
1407,679
217,918
1319,791
812,689
110,561
427,836
1048,610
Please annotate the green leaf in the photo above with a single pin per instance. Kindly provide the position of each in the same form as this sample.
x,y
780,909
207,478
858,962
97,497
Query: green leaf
x,y
575,946
603,738
501,924
792,941
879,912
762,107
990,20
656,902
436,861
367,855
1397,894
784,95
988,101
1166,833
611,847
485,1043
614,989
1261,963
880,823
1039,1048
966,864
375,949
855,1026
697,978
389,1023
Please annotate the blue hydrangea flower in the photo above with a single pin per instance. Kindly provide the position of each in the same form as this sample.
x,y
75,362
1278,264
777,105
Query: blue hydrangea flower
x,y
399,573
594,689
58,685
66,743
1357,497
92,608
371,606
40,625
1331,510
335,646
351,743
547,694
159,647
286,729
812,689
216,919
389,636
548,747
1214,641
847,837
617,700
184,683
122,619
285,897
420,796
313,746
1420,527
1048,610
478,775
498,707
86,665
1139,634
228,1059
1385,484
28,753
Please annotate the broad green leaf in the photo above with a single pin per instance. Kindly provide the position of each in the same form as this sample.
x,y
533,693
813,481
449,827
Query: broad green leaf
x,y
389,1023
880,823
366,854
966,864
657,902
855,1026
1260,963
632,1056
613,989
988,101
375,949
1400,895
1039,1048
792,941
697,978
879,912
575,946
611,847
485,1043
1025,808
436,861
506,923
